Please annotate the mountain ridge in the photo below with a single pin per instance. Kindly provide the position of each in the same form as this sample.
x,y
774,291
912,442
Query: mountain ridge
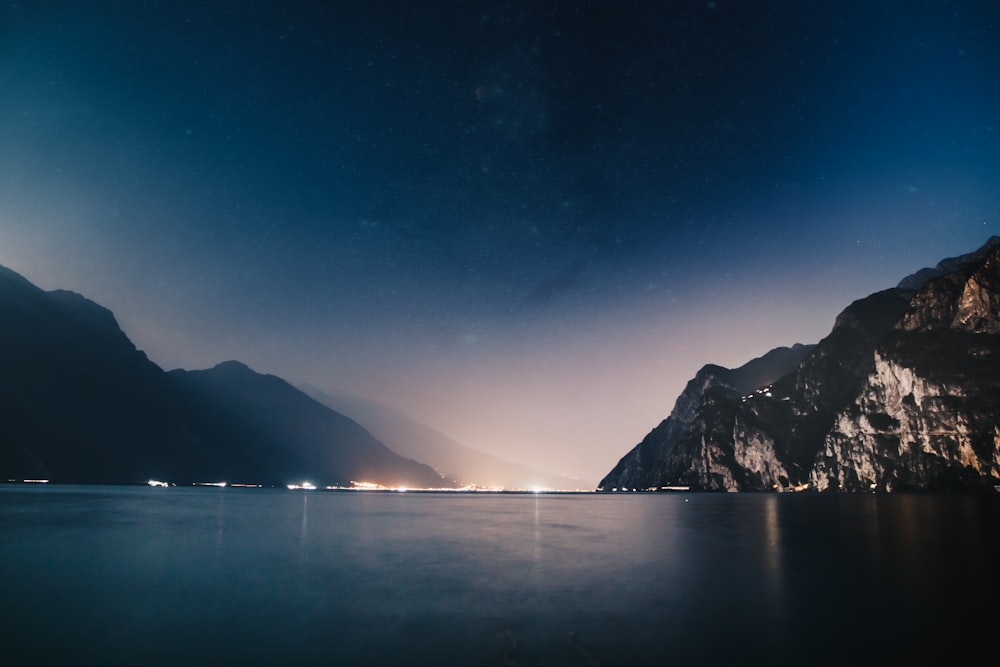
x,y
80,403
911,373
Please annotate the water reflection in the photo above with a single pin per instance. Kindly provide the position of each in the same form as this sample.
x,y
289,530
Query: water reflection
x,y
220,522
419,579
304,531
773,551
537,534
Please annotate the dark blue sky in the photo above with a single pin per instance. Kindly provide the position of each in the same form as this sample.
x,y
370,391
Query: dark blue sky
x,y
525,223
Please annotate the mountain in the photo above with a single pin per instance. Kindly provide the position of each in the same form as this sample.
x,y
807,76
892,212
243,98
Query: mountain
x,y
903,394
79,403
265,424
76,397
412,439
917,280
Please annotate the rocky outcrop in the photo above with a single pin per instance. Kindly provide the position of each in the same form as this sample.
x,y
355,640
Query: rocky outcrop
x,y
967,299
693,446
904,394
907,431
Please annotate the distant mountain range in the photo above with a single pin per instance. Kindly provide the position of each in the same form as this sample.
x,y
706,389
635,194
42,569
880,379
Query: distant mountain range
x,y
902,395
418,441
79,403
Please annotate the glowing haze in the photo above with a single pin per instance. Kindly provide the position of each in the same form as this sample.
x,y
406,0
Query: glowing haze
x,y
526,224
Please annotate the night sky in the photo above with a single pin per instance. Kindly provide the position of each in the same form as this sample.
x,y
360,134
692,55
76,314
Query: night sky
x,y
524,223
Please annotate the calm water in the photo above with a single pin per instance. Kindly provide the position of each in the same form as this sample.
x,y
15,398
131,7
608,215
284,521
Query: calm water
x,y
110,575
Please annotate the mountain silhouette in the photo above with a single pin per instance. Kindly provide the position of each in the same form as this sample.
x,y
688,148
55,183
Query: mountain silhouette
x,y
902,395
79,403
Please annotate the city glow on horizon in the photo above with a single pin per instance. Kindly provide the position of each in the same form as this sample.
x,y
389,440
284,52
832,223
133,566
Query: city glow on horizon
x,y
302,486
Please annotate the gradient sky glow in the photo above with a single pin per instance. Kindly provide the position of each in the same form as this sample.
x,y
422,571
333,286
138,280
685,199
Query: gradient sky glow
x,y
526,224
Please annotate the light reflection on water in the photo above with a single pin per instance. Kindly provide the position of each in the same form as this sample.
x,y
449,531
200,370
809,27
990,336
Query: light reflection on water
x,y
127,575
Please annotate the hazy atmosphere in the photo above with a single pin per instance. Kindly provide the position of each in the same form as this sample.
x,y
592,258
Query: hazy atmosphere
x,y
525,224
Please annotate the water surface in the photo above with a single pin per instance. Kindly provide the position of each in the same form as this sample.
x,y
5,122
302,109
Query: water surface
x,y
130,575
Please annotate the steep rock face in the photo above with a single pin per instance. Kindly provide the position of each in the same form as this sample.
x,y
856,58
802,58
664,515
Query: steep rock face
x,y
927,415
904,394
692,446
967,300
755,452
926,418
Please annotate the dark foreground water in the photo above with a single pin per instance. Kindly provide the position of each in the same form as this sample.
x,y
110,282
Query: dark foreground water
x,y
130,576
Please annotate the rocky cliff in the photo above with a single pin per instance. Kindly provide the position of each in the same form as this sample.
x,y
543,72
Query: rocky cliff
x,y
903,394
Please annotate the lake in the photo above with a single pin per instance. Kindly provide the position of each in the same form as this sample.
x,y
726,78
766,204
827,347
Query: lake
x,y
135,575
